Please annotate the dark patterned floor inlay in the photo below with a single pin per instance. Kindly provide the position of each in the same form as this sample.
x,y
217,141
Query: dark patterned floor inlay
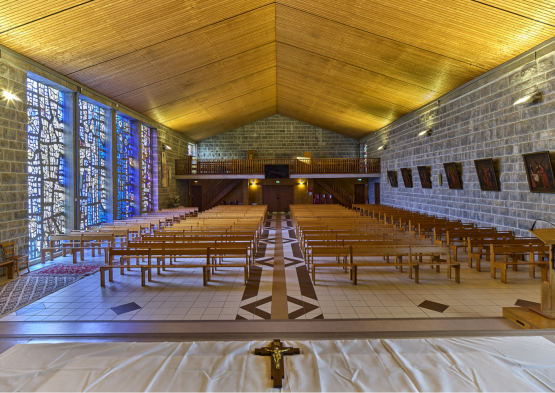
x,y
526,303
287,217
268,224
292,234
126,308
252,308
307,289
265,234
292,261
265,262
289,223
240,318
296,250
30,309
305,307
261,251
285,241
429,305
253,283
321,316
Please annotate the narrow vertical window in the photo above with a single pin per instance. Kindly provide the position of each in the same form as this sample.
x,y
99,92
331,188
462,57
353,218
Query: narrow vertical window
x,y
45,147
125,169
146,169
92,164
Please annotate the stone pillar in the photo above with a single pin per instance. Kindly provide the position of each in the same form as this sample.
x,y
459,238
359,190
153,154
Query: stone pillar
x,y
13,159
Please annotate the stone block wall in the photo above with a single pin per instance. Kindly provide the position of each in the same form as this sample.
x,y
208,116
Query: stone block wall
x,y
13,159
278,136
483,123
179,149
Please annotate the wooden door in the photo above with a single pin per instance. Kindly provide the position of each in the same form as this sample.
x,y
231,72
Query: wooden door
x,y
270,197
196,199
286,197
377,193
359,194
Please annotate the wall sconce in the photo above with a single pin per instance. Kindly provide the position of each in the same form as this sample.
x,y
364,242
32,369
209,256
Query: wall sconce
x,y
382,147
10,96
359,179
425,132
302,182
253,182
165,147
532,97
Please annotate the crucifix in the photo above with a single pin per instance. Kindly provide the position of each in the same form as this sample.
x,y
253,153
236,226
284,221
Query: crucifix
x,y
276,351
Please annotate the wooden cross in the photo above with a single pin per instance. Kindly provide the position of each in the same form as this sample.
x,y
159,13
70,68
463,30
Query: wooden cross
x,y
276,351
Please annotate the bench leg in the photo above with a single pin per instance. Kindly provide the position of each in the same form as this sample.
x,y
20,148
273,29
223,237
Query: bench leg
x,y
111,275
102,278
437,268
504,273
532,270
10,268
246,274
544,272
313,274
417,274
204,274
143,281
51,255
410,272
492,270
93,253
83,254
355,273
449,271
479,263
74,257
158,266
457,273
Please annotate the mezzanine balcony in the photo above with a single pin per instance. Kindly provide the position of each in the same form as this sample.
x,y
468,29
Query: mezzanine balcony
x,y
298,168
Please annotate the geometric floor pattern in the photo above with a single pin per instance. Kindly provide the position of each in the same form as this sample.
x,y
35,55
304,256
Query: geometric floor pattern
x,y
178,294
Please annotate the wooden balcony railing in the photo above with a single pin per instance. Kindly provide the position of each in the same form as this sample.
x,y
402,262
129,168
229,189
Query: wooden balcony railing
x,y
296,166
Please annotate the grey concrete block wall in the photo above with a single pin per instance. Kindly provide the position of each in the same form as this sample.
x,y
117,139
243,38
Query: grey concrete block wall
x,y
13,159
480,124
179,149
278,136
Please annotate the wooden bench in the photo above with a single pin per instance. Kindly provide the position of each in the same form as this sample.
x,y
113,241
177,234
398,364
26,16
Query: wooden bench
x,y
85,242
483,247
160,255
506,251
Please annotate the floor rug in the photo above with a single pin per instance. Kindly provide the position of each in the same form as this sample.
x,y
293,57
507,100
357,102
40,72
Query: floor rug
x,y
67,269
31,287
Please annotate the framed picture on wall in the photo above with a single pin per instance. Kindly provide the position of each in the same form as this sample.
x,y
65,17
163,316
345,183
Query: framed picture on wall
x,y
486,175
425,179
453,179
539,172
407,177
392,177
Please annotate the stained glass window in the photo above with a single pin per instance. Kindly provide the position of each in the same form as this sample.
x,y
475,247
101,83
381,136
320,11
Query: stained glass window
x,y
45,147
125,166
92,164
146,169
365,156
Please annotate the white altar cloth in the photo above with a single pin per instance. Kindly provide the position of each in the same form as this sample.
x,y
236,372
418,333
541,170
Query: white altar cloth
x,y
453,364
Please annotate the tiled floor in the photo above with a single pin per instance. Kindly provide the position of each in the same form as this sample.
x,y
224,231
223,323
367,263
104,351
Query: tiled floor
x,y
178,294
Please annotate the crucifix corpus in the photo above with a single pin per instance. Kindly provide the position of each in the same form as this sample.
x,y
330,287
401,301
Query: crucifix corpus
x,y
276,351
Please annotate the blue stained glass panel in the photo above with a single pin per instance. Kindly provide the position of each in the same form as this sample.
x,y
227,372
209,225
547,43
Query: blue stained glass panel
x,y
92,164
126,168
146,169
45,148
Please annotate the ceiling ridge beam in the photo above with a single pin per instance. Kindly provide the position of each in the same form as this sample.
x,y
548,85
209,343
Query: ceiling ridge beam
x,y
194,69
353,65
169,39
382,36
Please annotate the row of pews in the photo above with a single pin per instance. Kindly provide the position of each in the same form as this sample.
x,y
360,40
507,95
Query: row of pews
x,y
222,237
501,249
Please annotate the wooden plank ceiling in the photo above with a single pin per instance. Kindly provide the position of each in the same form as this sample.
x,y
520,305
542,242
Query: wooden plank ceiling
x,y
203,67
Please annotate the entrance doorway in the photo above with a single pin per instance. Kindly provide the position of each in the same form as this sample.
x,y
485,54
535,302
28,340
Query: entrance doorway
x,y
360,198
278,198
196,197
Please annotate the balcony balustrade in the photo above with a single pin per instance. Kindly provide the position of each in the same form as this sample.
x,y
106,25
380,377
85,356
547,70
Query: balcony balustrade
x,y
297,166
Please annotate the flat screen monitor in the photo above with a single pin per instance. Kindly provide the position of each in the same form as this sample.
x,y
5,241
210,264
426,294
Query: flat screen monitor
x,y
276,171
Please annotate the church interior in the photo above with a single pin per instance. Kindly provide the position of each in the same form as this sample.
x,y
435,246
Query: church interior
x,y
362,192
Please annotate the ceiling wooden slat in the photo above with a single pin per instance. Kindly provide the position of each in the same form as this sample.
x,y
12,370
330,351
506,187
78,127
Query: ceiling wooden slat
x,y
203,67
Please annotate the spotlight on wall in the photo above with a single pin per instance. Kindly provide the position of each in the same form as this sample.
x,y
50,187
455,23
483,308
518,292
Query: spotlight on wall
x,y
382,147
10,96
425,132
166,147
532,97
